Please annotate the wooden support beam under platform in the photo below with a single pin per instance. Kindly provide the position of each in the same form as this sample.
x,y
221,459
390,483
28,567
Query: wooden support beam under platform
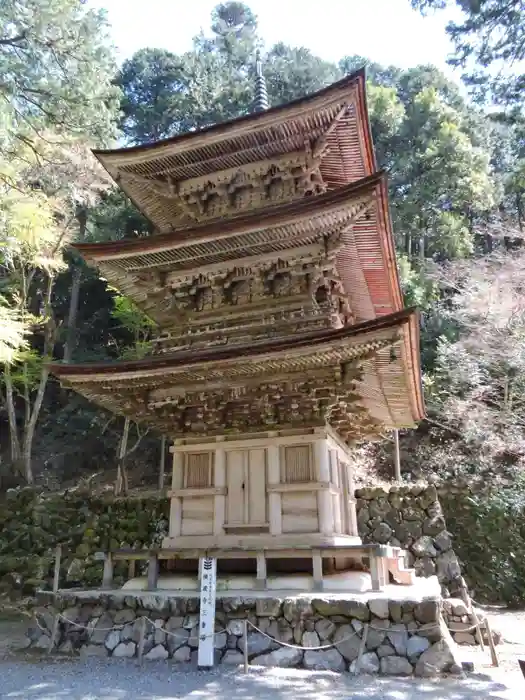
x,y
383,560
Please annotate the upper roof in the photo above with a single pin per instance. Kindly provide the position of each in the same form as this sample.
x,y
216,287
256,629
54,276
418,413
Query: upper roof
x,y
334,121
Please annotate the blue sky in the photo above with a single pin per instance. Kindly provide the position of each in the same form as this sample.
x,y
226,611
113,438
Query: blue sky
x,y
386,31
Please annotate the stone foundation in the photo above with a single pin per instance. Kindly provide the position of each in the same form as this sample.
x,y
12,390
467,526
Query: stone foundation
x,y
391,637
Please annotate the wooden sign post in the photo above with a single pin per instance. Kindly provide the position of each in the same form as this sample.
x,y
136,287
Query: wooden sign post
x,y
208,580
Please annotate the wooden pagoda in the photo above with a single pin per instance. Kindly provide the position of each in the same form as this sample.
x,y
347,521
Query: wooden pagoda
x,y
282,334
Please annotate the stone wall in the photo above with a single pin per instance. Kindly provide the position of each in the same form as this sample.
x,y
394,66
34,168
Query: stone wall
x,y
402,637
412,517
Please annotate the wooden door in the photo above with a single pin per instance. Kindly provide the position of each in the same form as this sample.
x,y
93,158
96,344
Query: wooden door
x,y
246,483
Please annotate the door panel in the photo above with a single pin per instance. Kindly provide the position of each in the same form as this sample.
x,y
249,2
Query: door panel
x,y
257,486
235,481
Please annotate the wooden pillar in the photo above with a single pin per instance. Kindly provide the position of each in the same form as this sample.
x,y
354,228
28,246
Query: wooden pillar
x,y
350,502
317,570
153,572
176,502
324,497
107,576
260,582
219,506
274,499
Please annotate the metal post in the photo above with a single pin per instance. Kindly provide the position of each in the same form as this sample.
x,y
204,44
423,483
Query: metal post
x,y
397,460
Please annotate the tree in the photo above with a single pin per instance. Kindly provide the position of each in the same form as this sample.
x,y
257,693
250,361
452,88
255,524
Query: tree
x,y
56,67
492,35
56,70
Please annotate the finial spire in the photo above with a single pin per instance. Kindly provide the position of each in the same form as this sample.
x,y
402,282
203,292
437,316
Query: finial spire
x,y
260,104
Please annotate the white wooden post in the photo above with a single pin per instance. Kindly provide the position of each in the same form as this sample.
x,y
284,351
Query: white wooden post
x,y
274,499
324,497
208,581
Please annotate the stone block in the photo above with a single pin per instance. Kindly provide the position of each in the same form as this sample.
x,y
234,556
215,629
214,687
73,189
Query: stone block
x,y
182,654
382,533
448,566
416,646
257,643
158,653
310,639
379,608
112,640
220,640
125,650
368,663
268,607
325,629
324,660
396,666
285,657
347,642
296,609
435,660
232,658
100,630
398,638
281,630
427,611
385,649
352,609
376,635
236,627
124,616
424,547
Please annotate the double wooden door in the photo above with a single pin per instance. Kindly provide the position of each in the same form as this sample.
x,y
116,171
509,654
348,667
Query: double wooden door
x,y
246,484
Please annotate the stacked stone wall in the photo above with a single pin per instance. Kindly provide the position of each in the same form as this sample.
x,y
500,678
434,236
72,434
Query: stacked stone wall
x,y
411,517
388,637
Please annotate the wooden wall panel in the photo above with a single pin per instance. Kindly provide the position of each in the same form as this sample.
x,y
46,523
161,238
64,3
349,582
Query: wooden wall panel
x,y
257,486
197,516
300,512
198,470
297,464
235,482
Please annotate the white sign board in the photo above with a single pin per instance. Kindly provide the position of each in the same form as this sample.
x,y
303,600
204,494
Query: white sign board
x,y
208,580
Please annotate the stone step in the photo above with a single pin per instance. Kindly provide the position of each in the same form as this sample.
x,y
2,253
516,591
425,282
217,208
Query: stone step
x,y
400,572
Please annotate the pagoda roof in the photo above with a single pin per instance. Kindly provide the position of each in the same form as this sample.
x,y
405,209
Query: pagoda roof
x,y
337,115
357,216
389,386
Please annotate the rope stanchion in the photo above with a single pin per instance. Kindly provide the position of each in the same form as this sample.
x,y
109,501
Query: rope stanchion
x,y
361,651
245,646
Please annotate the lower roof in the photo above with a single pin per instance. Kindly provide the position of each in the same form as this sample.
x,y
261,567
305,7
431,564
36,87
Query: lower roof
x,y
387,348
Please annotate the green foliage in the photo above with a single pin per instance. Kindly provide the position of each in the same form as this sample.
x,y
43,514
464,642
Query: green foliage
x,y
56,66
492,555
488,40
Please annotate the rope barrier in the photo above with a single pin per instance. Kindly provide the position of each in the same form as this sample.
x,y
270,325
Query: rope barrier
x,y
322,647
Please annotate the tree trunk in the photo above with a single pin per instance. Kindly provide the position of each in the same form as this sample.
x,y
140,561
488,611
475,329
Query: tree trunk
x,y
14,440
121,483
29,428
70,343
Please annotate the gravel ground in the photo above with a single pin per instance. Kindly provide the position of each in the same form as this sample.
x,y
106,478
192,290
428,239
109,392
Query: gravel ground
x,y
100,680
30,678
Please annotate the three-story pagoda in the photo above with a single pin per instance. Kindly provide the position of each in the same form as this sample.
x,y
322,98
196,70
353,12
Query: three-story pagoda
x,y
282,334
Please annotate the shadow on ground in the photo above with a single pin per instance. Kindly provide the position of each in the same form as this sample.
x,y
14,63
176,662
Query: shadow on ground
x,y
101,680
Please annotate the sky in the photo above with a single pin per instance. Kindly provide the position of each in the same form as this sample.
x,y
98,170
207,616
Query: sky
x,y
386,31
